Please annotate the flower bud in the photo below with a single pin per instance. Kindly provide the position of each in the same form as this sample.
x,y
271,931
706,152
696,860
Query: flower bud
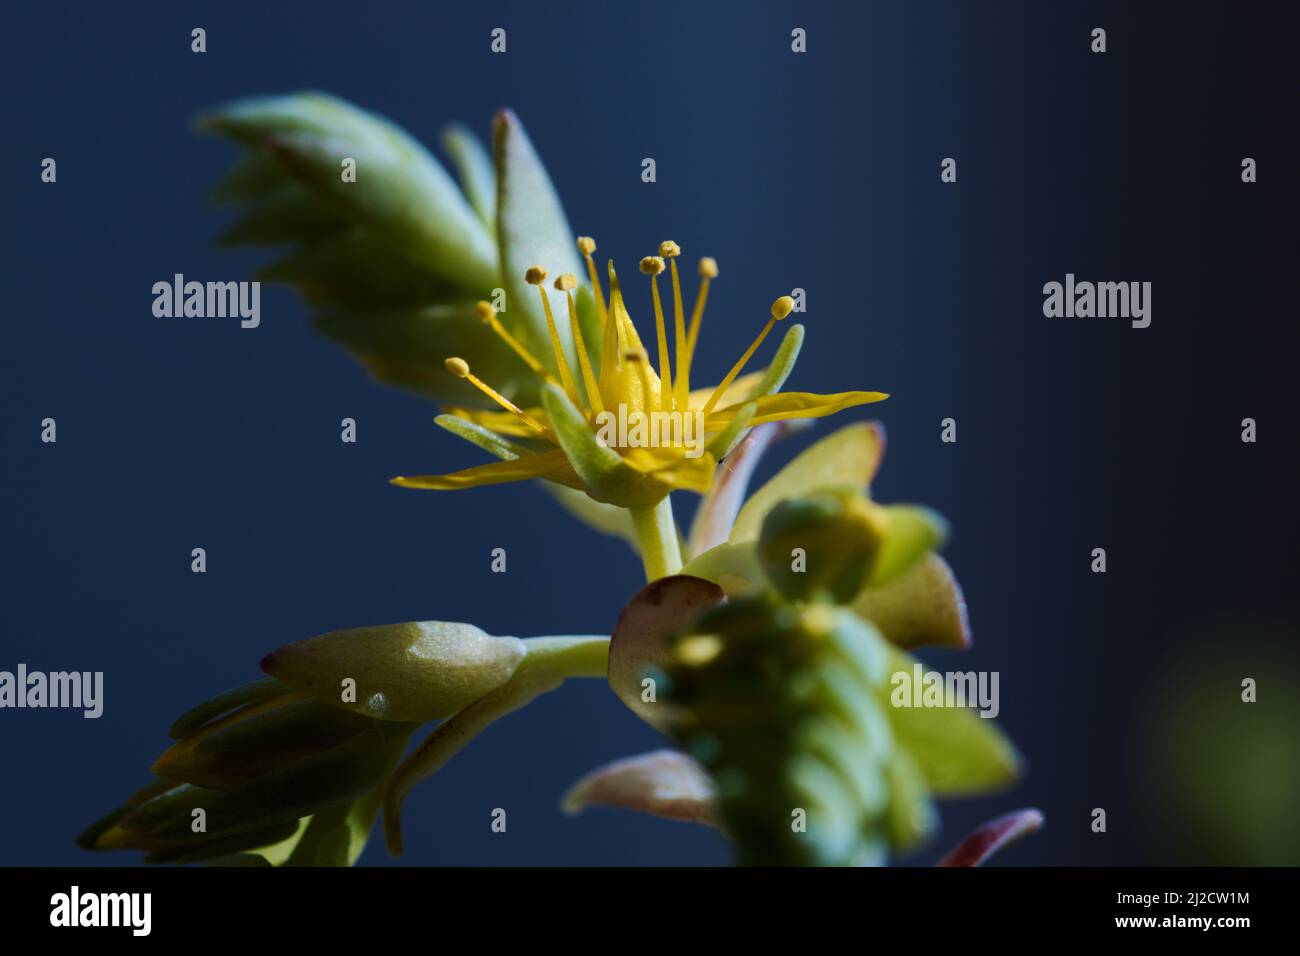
x,y
822,545
416,672
831,544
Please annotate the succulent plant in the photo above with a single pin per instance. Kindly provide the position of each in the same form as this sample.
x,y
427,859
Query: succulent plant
x,y
763,640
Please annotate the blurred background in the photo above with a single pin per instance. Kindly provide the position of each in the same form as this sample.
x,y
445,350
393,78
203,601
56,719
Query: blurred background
x,y
819,171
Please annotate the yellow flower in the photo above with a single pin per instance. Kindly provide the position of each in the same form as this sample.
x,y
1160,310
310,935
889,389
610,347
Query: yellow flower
x,y
626,433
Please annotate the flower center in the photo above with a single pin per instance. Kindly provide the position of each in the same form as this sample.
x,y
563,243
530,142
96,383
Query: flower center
x,y
626,381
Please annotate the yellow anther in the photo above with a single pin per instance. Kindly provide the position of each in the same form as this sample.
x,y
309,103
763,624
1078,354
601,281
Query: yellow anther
x,y
586,245
652,265
458,367
535,275
782,307
566,282
668,249
708,268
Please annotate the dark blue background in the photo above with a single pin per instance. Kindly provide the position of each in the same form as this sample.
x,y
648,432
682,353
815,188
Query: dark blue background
x,y
819,171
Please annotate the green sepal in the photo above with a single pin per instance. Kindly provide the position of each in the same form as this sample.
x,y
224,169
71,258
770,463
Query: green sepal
x,y
601,469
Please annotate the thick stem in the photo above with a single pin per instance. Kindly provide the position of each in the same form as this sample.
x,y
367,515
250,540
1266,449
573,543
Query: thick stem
x,y
656,532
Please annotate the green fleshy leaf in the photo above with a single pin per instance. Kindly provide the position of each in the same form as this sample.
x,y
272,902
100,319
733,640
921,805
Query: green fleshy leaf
x,y
531,231
404,197
922,606
194,718
352,266
255,739
400,190
408,347
847,457
254,176
287,213
477,178
238,844
911,816
337,836
959,752
298,789
733,567
418,671
910,532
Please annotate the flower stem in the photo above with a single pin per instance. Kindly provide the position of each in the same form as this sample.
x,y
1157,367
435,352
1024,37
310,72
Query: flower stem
x,y
661,552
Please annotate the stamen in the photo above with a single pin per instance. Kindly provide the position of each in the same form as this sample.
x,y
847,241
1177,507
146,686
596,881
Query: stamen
x,y
780,309
460,368
488,314
681,389
566,284
536,275
587,245
708,270
652,266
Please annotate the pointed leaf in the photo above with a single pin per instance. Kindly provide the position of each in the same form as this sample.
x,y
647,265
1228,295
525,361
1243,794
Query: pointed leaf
x,y
849,456
922,606
474,167
960,752
993,836
663,783
531,231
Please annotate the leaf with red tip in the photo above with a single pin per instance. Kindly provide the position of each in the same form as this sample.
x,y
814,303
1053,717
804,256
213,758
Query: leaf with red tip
x,y
638,647
662,783
993,836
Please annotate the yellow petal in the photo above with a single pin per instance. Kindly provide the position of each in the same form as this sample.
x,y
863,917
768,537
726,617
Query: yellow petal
x,y
670,466
736,392
774,408
552,465
503,423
